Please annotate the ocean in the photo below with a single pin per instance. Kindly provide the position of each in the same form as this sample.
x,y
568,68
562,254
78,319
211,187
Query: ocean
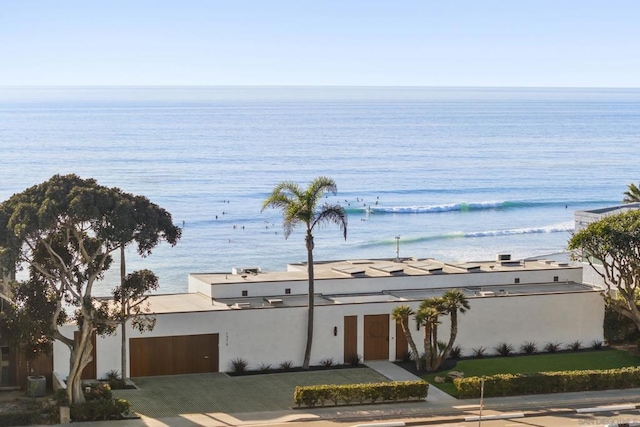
x,y
456,174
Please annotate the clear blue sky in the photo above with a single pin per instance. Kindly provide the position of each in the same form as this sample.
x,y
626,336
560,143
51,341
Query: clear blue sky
x,y
571,43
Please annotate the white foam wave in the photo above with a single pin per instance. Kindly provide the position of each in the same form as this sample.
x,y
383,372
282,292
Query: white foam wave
x,y
438,208
558,228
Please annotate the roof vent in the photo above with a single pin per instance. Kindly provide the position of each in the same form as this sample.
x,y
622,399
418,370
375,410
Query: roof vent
x,y
246,270
240,305
503,257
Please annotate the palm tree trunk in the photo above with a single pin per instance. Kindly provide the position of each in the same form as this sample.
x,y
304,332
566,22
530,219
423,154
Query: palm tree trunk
x,y
310,305
123,343
452,335
412,344
427,344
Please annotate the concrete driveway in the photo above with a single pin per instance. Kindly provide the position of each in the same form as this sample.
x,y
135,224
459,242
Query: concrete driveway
x,y
170,396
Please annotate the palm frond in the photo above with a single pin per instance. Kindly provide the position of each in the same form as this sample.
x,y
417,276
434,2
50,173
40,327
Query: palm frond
x,y
332,214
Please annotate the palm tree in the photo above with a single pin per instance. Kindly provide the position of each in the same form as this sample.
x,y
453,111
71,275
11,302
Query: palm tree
x,y
300,206
428,315
632,195
401,314
454,301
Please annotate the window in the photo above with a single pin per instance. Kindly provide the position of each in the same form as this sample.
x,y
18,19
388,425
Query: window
x,y
245,293
555,278
517,280
287,291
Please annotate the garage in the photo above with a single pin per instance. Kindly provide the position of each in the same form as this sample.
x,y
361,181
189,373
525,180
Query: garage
x,y
174,355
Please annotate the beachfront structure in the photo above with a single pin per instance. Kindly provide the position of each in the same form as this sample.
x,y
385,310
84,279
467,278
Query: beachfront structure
x,y
261,317
582,219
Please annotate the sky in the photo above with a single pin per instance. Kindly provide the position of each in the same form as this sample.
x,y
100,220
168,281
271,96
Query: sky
x,y
526,43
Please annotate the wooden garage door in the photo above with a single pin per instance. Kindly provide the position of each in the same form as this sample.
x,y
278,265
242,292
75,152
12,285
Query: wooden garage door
x,y
376,337
184,354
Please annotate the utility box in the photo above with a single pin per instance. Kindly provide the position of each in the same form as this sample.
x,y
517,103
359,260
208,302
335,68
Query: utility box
x,y
36,386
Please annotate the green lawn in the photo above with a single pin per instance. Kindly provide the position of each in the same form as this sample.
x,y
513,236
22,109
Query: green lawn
x,y
569,361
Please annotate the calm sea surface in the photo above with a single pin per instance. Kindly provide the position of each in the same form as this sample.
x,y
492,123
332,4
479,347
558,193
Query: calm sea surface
x,y
459,174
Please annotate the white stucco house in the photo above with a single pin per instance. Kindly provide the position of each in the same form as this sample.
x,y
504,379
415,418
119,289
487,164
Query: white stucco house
x,y
261,317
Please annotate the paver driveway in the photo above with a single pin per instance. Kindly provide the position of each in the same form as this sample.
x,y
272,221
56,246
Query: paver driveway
x,y
169,396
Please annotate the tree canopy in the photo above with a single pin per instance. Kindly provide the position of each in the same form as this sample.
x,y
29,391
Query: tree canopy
x,y
632,195
611,246
65,231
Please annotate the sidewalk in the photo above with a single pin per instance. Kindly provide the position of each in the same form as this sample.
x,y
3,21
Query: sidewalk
x,y
438,408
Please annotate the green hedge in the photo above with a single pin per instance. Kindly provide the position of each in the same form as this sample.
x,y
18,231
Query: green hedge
x,y
20,418
548,382
332,394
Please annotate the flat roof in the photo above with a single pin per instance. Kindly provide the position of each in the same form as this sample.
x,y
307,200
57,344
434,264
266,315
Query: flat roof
x,y
377,268
195,302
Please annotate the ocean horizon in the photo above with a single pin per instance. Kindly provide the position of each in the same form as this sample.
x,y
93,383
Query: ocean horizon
x,y
458,174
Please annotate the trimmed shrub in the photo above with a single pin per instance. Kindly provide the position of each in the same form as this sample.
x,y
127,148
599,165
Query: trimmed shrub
x,y
456,351
548,382
574,346
99,405
238,365
478,352
264,367
327,363
552,347
354,360
310,396
115,380
20,418
529,347
287,365
504,349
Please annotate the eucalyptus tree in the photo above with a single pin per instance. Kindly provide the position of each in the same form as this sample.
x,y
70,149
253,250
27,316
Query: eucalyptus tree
x,y
301,206
65,230
401,315
611,246
632,195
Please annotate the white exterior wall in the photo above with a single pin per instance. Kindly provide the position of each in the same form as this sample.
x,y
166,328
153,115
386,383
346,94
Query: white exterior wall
x,y
275,335
379,284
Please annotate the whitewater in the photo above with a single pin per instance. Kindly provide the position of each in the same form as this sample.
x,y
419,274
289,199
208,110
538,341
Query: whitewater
x,y
457,174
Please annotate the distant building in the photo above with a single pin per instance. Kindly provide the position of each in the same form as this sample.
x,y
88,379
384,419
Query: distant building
x,y
582,220
261,317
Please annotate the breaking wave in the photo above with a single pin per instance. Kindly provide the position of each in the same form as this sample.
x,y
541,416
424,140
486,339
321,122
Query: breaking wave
x,y
557,228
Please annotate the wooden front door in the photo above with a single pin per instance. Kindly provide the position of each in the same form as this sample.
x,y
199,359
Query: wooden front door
x,y
402,346
350,338
90,371
376,337
183,354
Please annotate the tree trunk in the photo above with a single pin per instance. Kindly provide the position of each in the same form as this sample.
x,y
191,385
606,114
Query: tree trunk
x,y
427,345
123,324
452,335
407,333
80,358
310,309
